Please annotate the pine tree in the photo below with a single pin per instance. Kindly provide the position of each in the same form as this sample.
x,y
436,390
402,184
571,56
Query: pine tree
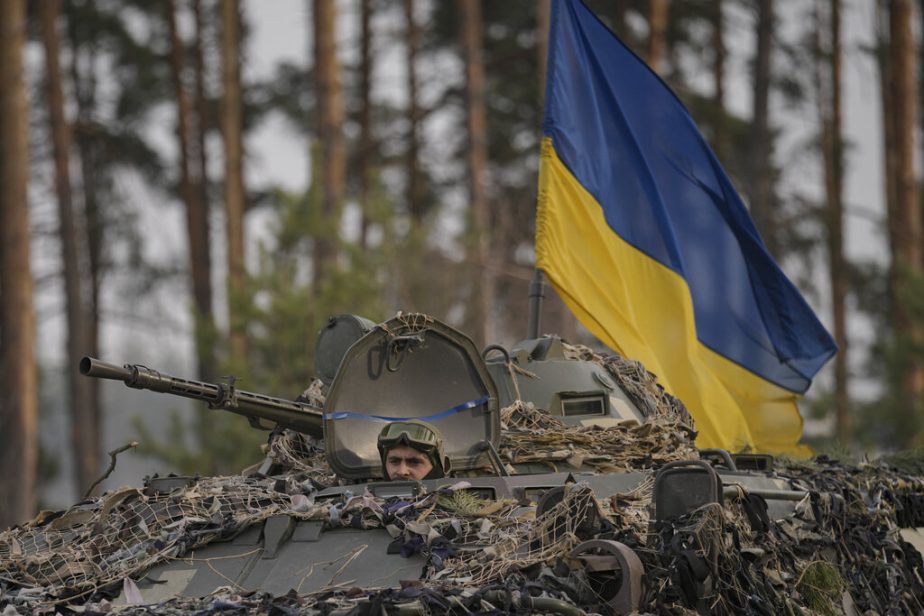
x,y
197,223
483,301
85,438
109,118
415,198
718,77
364,149
330,118
830,111
657,25
760,157
18,379
235,196
905,225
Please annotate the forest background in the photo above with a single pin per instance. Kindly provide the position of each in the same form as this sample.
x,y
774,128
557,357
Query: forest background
x,y
174,194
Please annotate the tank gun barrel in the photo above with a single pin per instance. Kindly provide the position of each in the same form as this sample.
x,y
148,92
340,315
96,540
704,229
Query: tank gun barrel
x,y
298,416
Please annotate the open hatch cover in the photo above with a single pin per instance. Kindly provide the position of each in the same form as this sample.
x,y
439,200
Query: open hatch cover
x,y
410,367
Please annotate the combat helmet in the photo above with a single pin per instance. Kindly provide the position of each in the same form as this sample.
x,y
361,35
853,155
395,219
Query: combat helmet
x,y
418,435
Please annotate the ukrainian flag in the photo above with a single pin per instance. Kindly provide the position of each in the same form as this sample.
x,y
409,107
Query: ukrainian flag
x,y
641,232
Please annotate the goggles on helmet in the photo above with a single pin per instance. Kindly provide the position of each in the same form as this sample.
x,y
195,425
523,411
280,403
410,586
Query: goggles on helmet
x,y
412,434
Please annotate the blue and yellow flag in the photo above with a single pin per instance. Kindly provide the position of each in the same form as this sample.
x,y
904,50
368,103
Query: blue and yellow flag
x,y
641,232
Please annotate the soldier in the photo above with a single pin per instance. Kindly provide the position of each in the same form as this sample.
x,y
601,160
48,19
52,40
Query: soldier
x,y
412,450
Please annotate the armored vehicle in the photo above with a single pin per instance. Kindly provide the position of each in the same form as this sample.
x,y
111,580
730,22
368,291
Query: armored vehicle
x,y
575,487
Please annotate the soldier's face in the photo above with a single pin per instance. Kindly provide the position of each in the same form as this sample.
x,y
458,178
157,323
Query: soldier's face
x,y
406,463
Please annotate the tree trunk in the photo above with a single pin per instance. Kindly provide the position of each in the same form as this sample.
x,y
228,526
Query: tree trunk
x,y
888,126
620,8
232,128
760,156
85,440
920,85
839,275
197,230
330,113
471,31
414,197
903,113
366,144
906,227
543,22
84,84
203,248
202,112
830,114
657,29
718,77
18,382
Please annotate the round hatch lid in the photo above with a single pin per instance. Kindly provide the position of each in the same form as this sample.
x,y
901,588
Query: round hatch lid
x,y
335,340
410,367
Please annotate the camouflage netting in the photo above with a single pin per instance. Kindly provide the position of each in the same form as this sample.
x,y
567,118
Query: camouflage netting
x,y
530,435
726,560
721,560
73,553
640,385
485,556
843,536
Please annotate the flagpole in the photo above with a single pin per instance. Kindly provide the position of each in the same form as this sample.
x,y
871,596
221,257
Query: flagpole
x,y
536,293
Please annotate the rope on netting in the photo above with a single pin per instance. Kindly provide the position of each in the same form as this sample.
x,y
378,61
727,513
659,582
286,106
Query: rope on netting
x,y
412,323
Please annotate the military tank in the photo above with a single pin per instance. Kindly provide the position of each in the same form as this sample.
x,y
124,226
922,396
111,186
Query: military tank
x,y
576,488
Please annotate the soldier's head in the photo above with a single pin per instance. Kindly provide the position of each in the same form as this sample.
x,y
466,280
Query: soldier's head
x,y
412,450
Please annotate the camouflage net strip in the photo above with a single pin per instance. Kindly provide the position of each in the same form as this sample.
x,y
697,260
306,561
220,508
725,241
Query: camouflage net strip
x,y
122,533
844,536
466,540
300,453
530,435
516,539
640,385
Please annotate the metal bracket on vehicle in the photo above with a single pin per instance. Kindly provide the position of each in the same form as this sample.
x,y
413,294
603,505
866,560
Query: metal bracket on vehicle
x,y
685,485
276,531
603,556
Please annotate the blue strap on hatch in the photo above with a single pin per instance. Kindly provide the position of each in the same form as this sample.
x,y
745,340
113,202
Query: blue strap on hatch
x,y
435,417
